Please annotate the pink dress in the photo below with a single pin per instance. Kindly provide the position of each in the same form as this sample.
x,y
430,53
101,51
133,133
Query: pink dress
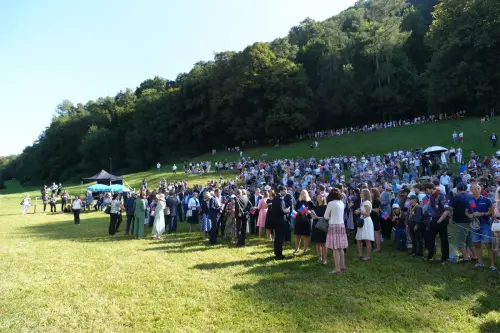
x,y
261,221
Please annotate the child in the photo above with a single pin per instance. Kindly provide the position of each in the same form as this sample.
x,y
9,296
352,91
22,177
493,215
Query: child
x,y
399,222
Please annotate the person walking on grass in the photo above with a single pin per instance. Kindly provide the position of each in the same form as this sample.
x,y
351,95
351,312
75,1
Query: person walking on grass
x,y
139,211
336,238
77,207
26,203
493,140
366,232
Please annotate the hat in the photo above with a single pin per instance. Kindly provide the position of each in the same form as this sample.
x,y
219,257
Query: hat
x,y
160,197
413,196
267,188
395,206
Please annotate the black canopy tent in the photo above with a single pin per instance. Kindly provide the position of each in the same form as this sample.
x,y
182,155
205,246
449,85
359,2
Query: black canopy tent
x,y
105,178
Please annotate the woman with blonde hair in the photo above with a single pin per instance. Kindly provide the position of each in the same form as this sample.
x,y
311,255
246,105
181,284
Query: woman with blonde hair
x,y
375,215
365,232
302,230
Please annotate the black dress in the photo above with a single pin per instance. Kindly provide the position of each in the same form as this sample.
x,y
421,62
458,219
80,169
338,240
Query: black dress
x,y
303,222
317,235
375,216
269,222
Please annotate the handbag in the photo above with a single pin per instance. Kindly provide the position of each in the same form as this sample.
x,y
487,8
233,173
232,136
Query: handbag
x,y
322,225
495,226
108,209
360,223
189,213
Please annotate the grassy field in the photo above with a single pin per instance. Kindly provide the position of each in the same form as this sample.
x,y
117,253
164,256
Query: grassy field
x,y
476,136
58,277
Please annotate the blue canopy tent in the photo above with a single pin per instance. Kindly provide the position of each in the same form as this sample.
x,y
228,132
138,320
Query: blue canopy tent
x,y
99,188
119,188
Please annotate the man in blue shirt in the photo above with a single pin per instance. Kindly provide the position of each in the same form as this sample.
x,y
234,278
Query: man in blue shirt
x,y
481,209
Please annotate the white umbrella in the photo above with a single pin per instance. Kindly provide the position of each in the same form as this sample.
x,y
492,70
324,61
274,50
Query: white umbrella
x,y
435,150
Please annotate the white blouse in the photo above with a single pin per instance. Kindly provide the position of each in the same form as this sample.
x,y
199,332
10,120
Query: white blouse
x,y
335,212
77,204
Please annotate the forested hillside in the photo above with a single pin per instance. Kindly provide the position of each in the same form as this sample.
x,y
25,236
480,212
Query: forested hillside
x,y
376,61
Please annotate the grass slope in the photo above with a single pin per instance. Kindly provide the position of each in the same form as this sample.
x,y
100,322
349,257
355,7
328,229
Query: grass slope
x,y
57,277
407,137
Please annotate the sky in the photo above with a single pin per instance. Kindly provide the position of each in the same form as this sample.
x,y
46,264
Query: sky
x,y
80,50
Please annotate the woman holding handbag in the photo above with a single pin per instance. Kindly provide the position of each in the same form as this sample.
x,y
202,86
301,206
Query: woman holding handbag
x,y
318,234
365,226
336,238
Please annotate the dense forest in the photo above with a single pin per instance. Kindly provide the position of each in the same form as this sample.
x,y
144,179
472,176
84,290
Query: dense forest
x,y
376,61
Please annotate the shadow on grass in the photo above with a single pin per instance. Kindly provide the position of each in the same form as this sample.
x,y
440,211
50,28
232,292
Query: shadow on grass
x,y
490,327
367,294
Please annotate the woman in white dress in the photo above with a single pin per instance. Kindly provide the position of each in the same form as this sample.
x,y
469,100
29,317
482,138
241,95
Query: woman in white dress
x,y
366,233
26,203
159,221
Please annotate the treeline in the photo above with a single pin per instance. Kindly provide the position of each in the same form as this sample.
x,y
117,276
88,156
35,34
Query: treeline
x,y
376,61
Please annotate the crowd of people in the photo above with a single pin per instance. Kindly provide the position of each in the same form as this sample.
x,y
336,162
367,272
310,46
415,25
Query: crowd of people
x,y
386,196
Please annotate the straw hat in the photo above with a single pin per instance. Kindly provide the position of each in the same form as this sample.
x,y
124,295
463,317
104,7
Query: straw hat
x,y
267,188
160,197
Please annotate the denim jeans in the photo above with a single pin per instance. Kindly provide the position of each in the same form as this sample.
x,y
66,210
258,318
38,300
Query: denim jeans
x,y
400,237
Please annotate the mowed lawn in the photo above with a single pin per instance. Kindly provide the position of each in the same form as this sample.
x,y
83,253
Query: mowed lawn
x,y
58,277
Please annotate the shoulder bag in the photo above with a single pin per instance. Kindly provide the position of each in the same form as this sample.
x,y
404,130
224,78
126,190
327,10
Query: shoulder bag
x,y
322,225
360,223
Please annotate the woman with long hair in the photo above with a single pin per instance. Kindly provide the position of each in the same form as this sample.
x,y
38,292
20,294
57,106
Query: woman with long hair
x,y
302,230
366,232
159,221
336,238
319,236
262,207
269,224
375,215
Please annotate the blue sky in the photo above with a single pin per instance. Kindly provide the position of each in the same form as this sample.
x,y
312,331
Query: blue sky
x,y
84,49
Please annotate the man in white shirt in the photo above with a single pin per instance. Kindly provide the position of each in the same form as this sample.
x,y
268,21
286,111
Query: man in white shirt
x,y
455,137
174,168
158,166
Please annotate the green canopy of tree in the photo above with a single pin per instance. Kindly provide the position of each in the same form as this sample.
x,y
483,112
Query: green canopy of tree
x,y
377,61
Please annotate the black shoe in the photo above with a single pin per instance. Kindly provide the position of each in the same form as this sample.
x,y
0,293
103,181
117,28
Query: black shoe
x,y
282,257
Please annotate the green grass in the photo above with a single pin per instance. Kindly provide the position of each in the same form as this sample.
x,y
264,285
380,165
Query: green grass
x,y
407,137
57,277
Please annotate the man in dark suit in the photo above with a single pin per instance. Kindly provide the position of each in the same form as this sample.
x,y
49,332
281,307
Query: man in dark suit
x,y
242,212
254,201
172,203
279,215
